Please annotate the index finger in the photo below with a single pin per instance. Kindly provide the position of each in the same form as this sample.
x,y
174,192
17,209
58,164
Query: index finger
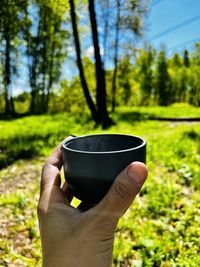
x,y
51,169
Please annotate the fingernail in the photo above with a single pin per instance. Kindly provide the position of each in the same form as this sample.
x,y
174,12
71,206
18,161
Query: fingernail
x,y
133,174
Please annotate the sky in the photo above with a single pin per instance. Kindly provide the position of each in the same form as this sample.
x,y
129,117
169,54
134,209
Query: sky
x,y
175,23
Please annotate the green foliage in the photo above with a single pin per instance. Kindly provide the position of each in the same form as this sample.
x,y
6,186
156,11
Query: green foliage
x,y
145,62
186,59
46,50
128,93
152,79
162,79
155,79
194,96
68,98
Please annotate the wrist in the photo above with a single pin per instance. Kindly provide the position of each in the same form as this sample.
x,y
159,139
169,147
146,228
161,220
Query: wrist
x,y
77,261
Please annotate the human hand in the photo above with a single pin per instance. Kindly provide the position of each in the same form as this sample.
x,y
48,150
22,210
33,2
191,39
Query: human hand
x,y
72,237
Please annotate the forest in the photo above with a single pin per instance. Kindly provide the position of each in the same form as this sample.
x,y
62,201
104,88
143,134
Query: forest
x,y
41,42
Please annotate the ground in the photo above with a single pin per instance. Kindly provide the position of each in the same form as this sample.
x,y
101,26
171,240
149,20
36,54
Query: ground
x,y
162,226
19,189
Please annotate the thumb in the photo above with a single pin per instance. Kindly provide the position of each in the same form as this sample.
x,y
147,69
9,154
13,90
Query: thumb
x,y
123,191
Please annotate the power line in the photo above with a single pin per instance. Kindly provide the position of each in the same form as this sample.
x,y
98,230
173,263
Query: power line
x,y
175,27
185,43
156,2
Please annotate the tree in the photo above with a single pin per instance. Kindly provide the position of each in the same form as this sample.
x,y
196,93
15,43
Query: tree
x,y
195,55
145,62
99,112
125,78
162,79
126,22
106,18
194,82
116,49
175,65
11,14
46,51
106,121
84,84
186,59
122,22
176,61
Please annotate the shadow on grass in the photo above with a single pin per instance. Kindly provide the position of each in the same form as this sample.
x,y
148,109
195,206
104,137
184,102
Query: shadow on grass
x,y
21,147
26,144
193,135
133,116
6,117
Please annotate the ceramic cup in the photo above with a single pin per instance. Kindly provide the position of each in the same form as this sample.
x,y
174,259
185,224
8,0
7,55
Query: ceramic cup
x,y
92,162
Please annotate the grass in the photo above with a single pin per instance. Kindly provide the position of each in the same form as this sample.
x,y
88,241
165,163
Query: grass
x,y
35,135
177,110
162,226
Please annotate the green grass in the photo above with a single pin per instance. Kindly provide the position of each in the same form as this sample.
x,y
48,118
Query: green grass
x,y
35,135
162,226
177,110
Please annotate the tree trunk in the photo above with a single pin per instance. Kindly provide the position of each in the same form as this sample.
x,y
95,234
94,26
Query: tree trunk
x,y
28,53
105,34
50,72
114,86
100,74
32,108
50,82
51,67
32,78
12,106
7,102
7,72
33,43
44,67
80,65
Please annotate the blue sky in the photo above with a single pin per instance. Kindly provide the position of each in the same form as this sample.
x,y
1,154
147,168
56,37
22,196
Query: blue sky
x,y
177,21
180,17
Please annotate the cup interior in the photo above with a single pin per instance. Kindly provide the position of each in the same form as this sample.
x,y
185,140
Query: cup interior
x,y
104,143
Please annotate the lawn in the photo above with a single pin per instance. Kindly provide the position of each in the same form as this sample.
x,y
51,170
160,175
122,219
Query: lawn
x,y
162,226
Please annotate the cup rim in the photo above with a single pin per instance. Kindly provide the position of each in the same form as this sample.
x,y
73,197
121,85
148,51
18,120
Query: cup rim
x,y
63,145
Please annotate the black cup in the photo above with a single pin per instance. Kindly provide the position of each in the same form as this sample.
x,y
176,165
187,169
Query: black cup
x,y
92,162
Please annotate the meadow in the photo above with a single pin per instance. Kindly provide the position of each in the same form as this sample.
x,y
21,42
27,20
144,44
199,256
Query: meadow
x,y
162,226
